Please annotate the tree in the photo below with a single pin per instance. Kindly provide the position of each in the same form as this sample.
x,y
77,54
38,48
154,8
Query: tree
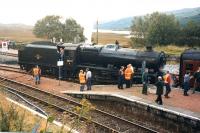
x,y
156,28
163,29
73,31
48,27
191,34
51,26
139,30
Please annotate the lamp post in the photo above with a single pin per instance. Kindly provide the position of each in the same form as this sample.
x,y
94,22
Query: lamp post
x,y
59,64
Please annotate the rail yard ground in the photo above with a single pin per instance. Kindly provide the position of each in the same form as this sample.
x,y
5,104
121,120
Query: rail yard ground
x,y
177,99
177,102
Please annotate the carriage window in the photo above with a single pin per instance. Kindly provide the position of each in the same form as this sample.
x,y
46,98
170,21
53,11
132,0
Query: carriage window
x,y
189,66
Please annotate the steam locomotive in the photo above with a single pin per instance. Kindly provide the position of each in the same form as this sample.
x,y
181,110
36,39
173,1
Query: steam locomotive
x,y
103,60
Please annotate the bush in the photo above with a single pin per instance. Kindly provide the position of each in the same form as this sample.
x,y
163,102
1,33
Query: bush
x,y
11,119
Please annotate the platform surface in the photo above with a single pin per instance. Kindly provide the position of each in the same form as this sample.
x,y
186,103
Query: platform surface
x,y
188,105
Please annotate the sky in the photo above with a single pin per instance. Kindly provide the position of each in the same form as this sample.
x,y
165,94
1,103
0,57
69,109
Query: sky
x,y
85,12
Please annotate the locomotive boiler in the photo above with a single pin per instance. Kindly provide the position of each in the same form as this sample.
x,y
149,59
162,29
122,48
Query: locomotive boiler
x,y
103,60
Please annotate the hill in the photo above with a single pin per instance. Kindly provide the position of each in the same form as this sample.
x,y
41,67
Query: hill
x,y
183,15
17,32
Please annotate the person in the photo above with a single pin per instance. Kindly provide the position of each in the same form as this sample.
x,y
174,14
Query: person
x,y
186,83
36,74
145,81
121,78
88,79
197,80
82,80
128,73
175,78
61,58
132,74
117,44
62,54
167,80
159,91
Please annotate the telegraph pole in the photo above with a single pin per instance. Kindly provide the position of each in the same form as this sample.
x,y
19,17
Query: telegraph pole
x,y
97,33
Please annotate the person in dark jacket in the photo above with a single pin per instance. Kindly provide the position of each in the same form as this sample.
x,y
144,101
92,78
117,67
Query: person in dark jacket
x,y
197,80
159,90
145,81
186,83
121,78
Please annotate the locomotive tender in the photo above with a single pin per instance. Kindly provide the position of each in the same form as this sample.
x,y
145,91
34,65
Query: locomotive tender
x,y
103,60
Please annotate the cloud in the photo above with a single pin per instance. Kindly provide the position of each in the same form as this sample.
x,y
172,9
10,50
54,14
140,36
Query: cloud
x,y
85,12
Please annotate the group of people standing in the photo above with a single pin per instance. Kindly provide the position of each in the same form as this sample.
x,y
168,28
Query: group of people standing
x,y
186,83
126,76
85,78
163,80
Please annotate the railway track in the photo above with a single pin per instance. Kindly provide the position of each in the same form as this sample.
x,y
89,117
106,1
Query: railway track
x,y
9,54
107,122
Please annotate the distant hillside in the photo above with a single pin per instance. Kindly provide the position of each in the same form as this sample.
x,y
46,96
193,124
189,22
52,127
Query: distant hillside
x,y
17,32
183,15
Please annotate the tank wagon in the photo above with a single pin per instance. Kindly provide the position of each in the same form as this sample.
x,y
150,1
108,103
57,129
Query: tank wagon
x,y
103,60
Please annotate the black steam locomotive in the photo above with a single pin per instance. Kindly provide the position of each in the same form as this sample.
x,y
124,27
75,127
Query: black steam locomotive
x,y
103,60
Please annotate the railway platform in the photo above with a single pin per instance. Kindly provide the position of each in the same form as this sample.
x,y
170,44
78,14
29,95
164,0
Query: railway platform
x,y
184,108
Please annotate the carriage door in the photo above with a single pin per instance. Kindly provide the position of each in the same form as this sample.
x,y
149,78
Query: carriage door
x,y
189,66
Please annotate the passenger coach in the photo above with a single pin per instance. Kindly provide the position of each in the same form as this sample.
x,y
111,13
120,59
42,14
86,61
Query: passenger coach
x,y
189,62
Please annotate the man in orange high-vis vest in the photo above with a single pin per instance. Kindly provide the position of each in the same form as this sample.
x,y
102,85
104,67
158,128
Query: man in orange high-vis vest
x,y
167,80
82,80
36,74
132,69
128,74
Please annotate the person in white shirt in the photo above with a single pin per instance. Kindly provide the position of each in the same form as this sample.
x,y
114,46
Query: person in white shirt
x,y
88,79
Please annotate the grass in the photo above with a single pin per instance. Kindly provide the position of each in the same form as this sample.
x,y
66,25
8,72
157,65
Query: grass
x,y
18,35
171,49
18,114
105,38
22,35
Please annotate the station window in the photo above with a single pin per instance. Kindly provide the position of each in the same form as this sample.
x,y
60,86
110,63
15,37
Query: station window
x,y
189,66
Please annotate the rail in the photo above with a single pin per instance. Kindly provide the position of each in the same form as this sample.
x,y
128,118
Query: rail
x,y
104,120
9,54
